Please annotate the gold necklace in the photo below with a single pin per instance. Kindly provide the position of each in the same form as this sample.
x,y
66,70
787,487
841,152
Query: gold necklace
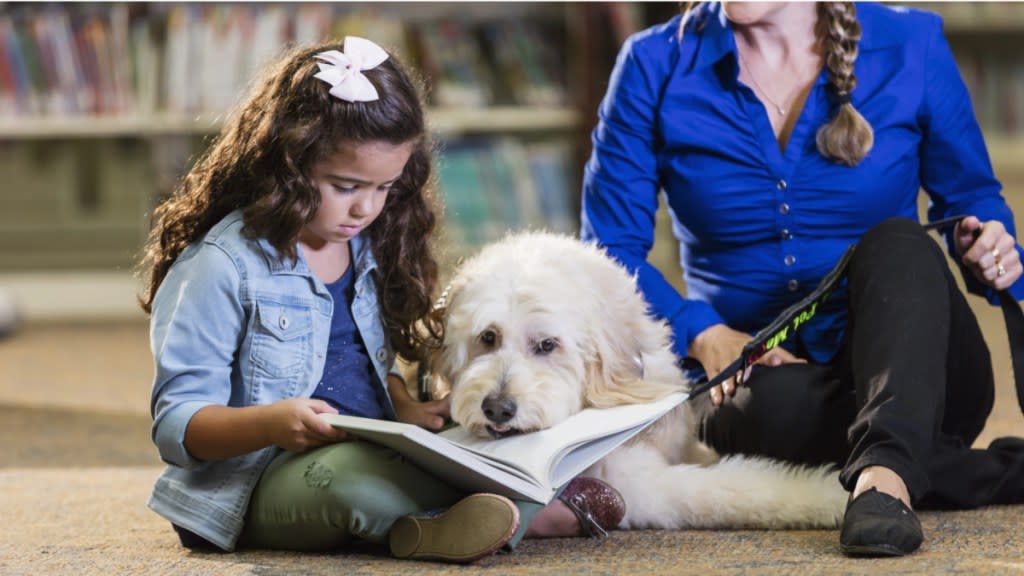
x,y
750,72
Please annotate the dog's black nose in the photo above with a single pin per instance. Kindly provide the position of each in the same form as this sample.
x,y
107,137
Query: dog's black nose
x,y
499,408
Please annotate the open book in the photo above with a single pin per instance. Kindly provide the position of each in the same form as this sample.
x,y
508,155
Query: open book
x,y
527,466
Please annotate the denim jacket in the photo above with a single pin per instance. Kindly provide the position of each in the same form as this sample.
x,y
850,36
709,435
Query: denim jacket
x,y
232,325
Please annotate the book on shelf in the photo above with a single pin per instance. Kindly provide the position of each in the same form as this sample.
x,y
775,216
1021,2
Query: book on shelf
x,y
528,67
509,185
530,466
491,186
388,32
451,57
63,59
467,203
551,166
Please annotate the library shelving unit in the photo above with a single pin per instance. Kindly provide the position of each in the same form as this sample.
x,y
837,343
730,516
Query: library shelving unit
x,y
987,38
103,107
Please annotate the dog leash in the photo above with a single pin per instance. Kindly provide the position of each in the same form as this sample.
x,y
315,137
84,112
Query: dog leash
x,y
790,320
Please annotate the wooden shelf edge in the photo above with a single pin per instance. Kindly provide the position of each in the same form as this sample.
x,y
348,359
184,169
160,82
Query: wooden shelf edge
x,y
985,25
106,126
448,120
503,119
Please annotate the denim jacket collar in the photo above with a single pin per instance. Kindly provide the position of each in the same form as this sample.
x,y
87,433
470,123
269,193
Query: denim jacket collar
x,y
362,258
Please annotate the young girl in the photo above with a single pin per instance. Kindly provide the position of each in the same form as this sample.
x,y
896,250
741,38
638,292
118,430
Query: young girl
x,y
285,276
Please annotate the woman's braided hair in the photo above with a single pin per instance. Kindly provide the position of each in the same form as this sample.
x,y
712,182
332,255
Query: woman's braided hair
x,y
847,137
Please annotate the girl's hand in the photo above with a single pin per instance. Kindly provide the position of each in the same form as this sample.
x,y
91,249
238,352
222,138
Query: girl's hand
x,y
430,415
293,424
717,346
989,251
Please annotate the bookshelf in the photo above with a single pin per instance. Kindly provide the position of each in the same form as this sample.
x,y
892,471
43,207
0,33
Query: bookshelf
x,y
78,187
986,38
104,105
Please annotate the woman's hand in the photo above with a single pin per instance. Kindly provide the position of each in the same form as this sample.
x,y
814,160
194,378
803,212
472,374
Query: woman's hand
x,y
718,345
430,415
293,424
989,251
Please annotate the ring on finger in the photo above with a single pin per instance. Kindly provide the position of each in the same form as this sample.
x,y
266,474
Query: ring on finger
x,y
1000,270
995,254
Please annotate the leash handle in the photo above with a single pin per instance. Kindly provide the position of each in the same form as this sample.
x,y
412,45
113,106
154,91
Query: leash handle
x,y
944,222
1014,318
1012,315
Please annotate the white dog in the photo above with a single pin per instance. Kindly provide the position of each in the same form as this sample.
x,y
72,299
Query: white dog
x,y
540,326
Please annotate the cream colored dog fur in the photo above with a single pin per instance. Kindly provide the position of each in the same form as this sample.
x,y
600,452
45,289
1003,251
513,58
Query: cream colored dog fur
x,y
539,326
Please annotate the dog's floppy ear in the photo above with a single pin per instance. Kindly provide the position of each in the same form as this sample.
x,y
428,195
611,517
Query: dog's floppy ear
x,y
615,378
629,357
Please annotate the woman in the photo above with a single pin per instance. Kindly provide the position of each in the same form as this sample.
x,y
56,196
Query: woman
x,y
782,133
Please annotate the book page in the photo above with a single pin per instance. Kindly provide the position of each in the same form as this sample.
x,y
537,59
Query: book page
x,y
538,453
444,459
529,466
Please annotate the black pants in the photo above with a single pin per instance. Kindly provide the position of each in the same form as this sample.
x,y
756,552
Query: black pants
x,y
910,389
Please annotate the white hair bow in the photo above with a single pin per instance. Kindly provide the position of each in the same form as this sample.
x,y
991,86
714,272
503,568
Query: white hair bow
x,y
344,70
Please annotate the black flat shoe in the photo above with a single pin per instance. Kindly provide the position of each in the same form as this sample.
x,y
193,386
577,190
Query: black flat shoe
x,y
877,524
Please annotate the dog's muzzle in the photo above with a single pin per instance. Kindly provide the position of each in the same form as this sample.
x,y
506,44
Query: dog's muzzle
x,y
499,409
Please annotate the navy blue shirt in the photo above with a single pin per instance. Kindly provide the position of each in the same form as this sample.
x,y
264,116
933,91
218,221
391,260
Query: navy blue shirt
x,y
758,227
349,382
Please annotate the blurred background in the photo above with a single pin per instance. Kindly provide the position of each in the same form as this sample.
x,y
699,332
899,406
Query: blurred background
x,y
104,106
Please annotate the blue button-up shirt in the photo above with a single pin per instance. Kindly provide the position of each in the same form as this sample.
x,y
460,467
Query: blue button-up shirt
x,y
758,227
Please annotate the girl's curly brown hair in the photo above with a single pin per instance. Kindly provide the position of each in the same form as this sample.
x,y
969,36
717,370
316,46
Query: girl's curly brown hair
x,y
262,162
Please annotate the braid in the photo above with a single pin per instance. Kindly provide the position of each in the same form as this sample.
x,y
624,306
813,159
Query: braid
x,y
686,9
848,137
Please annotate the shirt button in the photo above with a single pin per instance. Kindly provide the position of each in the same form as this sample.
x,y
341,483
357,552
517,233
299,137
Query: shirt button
x,y
783,208
382,354
789,259
283,322
781,185
786,234
792,285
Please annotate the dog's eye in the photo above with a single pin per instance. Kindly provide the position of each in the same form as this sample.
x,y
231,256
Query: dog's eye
x,y
489,338
546,346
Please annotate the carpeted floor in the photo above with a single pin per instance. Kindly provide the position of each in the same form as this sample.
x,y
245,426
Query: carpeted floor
x,y
76,467
92,521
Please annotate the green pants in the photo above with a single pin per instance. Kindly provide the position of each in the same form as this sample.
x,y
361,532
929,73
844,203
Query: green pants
x,y
322,499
